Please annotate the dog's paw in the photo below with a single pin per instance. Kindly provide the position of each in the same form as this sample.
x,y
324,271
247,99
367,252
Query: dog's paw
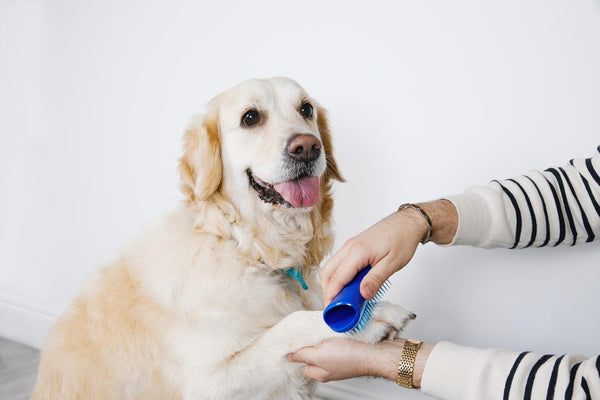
x,y
387,321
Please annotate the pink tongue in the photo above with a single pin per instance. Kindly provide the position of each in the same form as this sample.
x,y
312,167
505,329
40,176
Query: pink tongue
x,y
303,192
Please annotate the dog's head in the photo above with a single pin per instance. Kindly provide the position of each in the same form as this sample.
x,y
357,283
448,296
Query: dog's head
x,y
263,144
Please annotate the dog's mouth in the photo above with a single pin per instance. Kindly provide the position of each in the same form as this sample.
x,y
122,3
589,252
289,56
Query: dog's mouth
x,y
296,193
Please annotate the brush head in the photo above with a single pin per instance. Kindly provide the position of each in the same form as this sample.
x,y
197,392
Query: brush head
x,y
350,312
367,313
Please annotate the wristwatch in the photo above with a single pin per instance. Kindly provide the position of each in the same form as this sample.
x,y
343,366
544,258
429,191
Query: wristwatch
x,y
406,366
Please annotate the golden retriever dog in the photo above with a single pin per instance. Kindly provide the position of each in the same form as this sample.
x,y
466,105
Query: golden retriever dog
x,y
202,304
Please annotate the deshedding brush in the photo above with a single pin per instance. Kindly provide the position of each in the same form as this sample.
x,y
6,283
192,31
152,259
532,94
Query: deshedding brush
x,y
349,312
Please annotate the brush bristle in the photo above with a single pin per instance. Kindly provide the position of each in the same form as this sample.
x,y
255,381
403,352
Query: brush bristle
x,y
367,314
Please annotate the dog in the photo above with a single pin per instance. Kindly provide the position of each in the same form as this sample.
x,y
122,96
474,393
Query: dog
x,y
202,304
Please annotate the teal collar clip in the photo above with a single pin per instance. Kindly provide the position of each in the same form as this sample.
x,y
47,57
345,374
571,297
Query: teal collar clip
x,y
297,275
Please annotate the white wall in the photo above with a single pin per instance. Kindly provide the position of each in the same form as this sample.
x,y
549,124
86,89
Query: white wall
x,y
426,98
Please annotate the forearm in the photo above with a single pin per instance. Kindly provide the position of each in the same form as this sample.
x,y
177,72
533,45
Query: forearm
x,y
449,371
444,220
443,217
549,208
460,372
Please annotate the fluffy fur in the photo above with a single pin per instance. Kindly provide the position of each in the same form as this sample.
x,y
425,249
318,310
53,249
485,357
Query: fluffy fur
x,y
196,307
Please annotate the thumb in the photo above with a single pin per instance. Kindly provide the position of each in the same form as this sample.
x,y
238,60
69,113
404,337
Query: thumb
x,y
306,355
341,277
375,278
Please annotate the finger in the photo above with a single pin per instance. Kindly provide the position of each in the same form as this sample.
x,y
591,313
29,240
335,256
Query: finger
x,y
316,373
376,277
327,271
344,274
329,268
332,269
306,355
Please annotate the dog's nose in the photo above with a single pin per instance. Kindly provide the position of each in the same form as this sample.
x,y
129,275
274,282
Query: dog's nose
x,y
304,148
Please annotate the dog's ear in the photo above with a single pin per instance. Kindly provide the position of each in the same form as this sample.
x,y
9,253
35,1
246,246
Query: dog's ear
x,y
200,167
332,171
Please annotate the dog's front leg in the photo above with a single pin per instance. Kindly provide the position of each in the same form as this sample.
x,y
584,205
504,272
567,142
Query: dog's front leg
x,y
261,370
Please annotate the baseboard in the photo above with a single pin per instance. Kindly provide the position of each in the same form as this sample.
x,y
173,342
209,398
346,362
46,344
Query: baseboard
x,y
26,320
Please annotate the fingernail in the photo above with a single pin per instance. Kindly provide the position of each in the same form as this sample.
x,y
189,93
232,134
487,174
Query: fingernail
x,y
290,357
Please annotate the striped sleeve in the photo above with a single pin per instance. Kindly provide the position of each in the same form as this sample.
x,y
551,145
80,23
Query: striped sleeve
x,y
560,205
459,372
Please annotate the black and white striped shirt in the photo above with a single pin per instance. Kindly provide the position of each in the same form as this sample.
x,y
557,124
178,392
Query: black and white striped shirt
x,y
559,206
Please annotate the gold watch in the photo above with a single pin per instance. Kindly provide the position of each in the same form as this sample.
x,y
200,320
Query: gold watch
x,y
406,366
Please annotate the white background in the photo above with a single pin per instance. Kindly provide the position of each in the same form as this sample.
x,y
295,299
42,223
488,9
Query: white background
x,y
426,98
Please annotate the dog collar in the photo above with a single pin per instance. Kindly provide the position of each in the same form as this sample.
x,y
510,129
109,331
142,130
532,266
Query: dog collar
x,y
297,275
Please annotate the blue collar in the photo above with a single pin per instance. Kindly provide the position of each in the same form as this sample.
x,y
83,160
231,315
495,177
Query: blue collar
x,y
297,275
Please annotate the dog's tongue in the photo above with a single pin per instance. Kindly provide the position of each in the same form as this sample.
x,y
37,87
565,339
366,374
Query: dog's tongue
x,y
302,192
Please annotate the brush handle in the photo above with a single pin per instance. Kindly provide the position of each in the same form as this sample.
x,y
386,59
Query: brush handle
x,y
345,310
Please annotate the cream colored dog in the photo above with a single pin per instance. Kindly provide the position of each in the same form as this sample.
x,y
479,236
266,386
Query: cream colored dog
x,y
199,306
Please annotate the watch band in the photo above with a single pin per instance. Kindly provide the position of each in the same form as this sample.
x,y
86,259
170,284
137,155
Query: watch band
x,y
406,366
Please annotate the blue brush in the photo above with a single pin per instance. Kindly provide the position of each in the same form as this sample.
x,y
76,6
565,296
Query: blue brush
x,y
350,312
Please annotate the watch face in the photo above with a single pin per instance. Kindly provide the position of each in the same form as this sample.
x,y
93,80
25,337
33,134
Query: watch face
x,y
413,343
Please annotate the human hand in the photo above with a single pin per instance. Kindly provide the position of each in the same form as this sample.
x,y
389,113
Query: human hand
x,y
343,358
387,246
335,359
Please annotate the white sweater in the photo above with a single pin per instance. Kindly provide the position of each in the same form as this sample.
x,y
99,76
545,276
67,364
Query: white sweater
x,y
557,206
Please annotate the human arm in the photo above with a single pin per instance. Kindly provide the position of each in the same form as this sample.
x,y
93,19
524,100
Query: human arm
x,y
460,372
557,206
344,358
449,371
387,246
560,205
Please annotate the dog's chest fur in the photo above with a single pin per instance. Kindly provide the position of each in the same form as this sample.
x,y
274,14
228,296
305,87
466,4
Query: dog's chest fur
x,y
222,294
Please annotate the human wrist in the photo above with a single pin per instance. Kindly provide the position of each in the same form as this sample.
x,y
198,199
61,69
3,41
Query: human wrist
x,y
412,220
420,363
444,220
387,357
421,215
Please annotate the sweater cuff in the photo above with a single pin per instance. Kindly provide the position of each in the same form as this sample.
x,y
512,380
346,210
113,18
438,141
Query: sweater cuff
x,y
483,220
460,372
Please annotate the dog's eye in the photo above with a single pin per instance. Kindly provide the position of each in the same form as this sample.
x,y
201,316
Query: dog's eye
x,y
306,110
250,118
